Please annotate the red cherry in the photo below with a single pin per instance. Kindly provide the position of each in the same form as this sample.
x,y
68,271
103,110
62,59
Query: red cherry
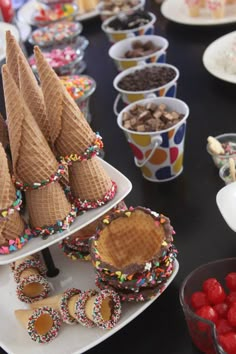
x,y
223,326
216,294
228,342
221,309
207,284
231,298
208,313
231,315
230,280
199,299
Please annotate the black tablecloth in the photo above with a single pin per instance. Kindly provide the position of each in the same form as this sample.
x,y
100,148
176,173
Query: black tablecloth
x,y
190,200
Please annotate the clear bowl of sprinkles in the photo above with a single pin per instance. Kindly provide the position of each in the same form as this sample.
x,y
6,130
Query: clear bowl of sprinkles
x,y
45,15
80,87
65,61
57,34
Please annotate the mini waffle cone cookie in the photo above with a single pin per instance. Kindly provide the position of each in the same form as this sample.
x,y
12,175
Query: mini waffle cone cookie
x,y
12,226
65,303
3,133
194,7
216,8
33,161
133,249
42,324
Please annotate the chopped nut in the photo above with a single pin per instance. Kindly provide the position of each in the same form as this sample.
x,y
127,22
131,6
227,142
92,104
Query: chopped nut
x,y
151,107
141,128
144,116
175,115
157,114
162,107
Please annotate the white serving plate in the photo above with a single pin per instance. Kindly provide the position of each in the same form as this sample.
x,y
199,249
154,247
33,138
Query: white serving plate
x,y
25,13
3,28
75,339
226,202
124,186
177,11
213,57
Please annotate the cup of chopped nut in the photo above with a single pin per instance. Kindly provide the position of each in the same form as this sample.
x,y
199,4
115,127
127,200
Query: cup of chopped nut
x,y
138,50
155,130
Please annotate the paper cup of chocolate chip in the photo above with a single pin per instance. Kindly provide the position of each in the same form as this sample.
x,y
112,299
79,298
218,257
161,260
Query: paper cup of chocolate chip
x,y
155,130
125,26
138,50
145,81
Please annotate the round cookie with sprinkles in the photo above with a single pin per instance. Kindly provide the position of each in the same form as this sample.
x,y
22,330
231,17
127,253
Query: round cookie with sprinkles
x,y
42,324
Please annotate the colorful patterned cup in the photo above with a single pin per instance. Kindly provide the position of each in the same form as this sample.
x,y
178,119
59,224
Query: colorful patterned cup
x,y
118,50
168,90
159,154
117,35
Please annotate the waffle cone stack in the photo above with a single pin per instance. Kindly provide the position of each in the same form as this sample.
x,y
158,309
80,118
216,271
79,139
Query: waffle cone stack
x,y
3,132
11,227
133,250
33,161
12,50
71,134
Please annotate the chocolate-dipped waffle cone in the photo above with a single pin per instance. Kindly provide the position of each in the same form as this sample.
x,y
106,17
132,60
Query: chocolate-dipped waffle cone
x,y
71,134
102,309
3,133
33,96
11,226
27,266
42,324
64,303
33,161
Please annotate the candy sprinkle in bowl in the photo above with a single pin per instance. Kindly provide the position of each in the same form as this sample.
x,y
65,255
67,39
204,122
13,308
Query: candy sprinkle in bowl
x,y
45,15
228,143
206,296
137,24
81,88
56,34
108,9
65,61
135,51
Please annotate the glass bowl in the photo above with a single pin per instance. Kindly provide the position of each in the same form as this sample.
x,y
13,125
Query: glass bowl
x,y
224,174
220,160
46,15
65,61
106,13
81,88
57,35
202,331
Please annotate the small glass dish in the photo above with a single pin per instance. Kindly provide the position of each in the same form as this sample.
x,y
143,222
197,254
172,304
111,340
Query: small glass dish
x,y
46,15
220,160
105,13
224,174
63,61
206,339
54,2
81,88
57,35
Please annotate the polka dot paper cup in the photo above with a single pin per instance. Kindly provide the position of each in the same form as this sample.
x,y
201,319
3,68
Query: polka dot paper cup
x,y
118,50
117,35
167,90
159,154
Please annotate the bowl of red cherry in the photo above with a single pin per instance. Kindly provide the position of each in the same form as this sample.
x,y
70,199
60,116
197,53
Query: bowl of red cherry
x,y
208,299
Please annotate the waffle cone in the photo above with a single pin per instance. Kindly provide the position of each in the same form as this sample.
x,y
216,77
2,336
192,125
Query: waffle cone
x,y
23,316
13,226
12,52
33,161
132,240
3,133
89,180
33,96
22,260
70,131
52,301
47,205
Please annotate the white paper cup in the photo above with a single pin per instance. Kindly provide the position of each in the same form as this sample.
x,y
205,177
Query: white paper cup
x,y
168,90
118,50
159,154
117,35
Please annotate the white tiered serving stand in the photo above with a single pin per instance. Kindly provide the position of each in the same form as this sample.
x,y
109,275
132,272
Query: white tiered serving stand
x,y
73,339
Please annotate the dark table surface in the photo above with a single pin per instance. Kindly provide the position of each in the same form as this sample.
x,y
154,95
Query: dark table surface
x,y
190,200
